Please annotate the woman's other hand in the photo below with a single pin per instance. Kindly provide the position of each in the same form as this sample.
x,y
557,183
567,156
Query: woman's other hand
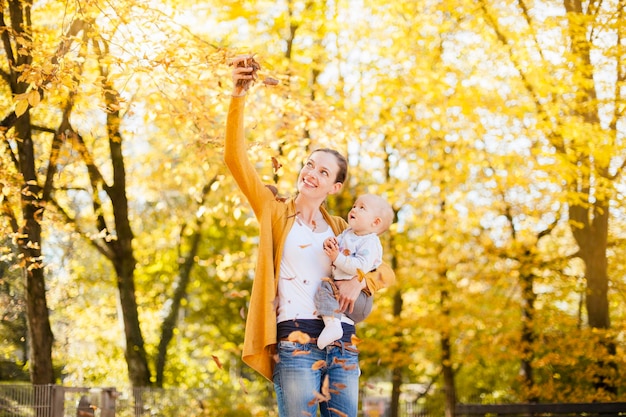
x,y
348,293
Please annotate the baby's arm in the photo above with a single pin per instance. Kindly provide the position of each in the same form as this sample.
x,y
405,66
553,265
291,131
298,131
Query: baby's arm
x,y
367,255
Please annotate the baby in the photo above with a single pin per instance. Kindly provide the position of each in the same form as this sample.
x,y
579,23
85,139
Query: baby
x,y
356,251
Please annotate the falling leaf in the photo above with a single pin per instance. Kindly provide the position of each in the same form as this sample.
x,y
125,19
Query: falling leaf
x,y
343,364
236,294
275,164
325,387
305,246
299,337
217,361
243,387
339,413
301,352
355,340
346,252
318,365
270,81
339,385
323,396
338,361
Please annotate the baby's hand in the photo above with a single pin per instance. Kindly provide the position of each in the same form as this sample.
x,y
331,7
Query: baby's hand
x,y
331,248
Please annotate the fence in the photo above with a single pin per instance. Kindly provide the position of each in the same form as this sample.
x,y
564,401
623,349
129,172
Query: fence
x,y
26,400
614,409
56,401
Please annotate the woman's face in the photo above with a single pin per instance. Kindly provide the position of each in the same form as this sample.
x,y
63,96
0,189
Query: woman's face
x,y
318,177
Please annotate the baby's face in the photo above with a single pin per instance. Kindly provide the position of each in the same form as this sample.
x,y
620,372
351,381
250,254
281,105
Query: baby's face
x,y
362,217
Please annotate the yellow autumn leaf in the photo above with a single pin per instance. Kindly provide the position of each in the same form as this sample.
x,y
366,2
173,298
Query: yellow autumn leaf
x,y
33,98
318,365
20,107
299,337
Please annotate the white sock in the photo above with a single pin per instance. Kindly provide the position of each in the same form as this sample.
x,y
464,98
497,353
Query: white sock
x,y
332,331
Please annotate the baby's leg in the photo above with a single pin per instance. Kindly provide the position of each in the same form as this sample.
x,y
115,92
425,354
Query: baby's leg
x,y
328,308
332,331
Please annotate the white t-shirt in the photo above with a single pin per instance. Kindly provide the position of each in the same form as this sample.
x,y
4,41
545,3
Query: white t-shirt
x,y
303,252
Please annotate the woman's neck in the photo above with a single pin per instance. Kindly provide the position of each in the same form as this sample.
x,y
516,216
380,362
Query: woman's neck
x,y
308,211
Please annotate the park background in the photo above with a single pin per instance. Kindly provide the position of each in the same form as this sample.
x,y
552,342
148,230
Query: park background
x,y
496,129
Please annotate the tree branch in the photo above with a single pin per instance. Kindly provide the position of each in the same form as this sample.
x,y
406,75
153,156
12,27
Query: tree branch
x,y
95,242
7,210
555,137
5,125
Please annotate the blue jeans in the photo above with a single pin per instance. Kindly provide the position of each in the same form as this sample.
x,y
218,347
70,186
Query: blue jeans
x,y
298,385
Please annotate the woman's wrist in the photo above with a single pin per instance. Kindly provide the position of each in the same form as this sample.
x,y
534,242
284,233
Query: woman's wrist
x,y
239,90
363,283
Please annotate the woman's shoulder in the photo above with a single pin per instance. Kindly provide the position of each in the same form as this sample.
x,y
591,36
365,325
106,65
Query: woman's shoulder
x,y
283,207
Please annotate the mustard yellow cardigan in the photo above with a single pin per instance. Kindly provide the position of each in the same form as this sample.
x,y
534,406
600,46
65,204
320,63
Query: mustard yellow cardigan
x,y
275,220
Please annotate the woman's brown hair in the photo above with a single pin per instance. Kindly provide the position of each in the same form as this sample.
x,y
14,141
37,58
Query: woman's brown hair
x,y
342,174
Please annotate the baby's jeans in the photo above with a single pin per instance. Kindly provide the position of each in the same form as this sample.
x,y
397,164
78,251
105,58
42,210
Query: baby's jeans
x,y
327,304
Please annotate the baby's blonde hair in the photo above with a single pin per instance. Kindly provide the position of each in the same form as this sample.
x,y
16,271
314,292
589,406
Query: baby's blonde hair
x,y
383,210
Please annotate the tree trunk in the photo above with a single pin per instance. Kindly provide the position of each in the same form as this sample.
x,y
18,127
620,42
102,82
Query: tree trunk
x,y
117,242
29,243
591,234
446,356
397,346
595,259
135,353
528,336
591,221
124,260
396,371
29,230
184,277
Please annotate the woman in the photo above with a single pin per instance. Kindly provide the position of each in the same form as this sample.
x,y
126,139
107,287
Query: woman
x,y
282,325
